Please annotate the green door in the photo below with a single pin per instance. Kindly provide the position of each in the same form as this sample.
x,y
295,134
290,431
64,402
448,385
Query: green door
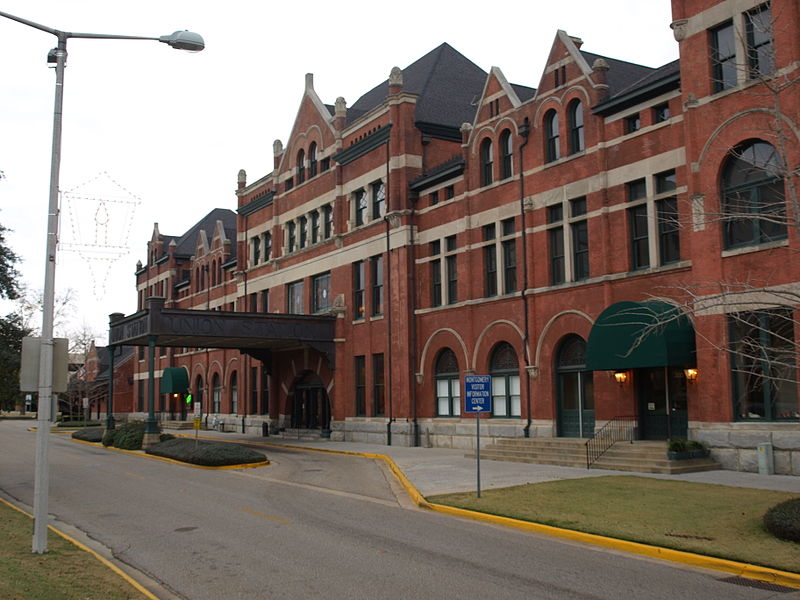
x,y
575,390
662,403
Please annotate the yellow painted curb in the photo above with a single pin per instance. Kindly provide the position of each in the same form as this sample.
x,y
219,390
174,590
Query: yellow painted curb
x,y
143,454
784,578
102,559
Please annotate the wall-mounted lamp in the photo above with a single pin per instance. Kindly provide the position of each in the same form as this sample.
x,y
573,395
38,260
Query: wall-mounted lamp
x,y
691,375
620,377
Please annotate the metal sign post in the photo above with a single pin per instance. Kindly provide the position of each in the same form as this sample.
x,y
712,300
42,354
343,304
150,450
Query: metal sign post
x,y
477,399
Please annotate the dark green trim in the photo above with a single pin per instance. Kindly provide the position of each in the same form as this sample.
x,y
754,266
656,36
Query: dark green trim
x,y
363,147
436,178
439,131
616,341
638,95
256,204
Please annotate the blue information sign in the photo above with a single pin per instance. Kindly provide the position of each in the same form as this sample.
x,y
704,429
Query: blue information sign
x,y
477,394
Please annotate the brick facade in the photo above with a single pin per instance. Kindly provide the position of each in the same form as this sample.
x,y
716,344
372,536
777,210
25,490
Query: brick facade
x,y
448,213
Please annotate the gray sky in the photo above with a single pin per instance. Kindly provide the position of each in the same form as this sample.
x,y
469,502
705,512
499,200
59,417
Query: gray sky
x,y
159,135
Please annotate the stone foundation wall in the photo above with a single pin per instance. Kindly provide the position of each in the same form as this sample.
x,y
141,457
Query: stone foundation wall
x,y
735,445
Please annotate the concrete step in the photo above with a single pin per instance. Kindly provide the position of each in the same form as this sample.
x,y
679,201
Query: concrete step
x,y
641,456
176,424
303,435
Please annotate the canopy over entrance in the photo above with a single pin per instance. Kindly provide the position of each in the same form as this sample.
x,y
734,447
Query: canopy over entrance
x,y
635,335
255,334
175,380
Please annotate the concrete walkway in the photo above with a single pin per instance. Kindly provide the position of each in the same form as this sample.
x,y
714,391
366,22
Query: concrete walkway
x,y
442,470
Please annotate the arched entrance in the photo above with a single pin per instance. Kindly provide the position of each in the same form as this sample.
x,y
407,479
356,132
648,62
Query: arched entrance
x,y
574,389
309,403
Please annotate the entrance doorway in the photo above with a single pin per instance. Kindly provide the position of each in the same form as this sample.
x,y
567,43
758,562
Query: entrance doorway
x,y
310,404
661,395
575,390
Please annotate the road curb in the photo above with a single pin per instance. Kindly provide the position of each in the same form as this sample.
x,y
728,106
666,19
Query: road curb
x,y
774,576
104,561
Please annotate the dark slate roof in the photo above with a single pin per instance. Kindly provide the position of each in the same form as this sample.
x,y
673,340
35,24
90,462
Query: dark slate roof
x,y
524,93
446,82
187,243
656,82
621,74
450,168
123,354
668,70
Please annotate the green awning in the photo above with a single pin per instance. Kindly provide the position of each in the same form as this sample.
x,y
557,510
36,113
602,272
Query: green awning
x,y
174,380
635,335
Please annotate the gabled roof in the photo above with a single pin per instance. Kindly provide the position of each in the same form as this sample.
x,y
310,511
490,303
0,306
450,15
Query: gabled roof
x,y
444,79
185,244
123,354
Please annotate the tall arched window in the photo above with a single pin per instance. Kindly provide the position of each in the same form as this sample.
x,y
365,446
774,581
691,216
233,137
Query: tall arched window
x,y
216,394
198,391
504,369
301,166
575,113
312,159
448,385
575,389
552,150
486,162
506,155
753,196
234,394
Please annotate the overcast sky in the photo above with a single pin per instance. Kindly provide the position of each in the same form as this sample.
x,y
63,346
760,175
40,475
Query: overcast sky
x,y
159,135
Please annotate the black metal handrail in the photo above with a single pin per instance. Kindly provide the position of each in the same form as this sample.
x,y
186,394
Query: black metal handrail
x,y
615,430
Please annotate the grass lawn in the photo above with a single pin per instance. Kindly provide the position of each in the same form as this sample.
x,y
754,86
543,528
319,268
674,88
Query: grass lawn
x,y
713,520
64,572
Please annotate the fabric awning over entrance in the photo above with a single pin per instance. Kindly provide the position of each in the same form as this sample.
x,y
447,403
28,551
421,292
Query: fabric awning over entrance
x,y
634,335
174,380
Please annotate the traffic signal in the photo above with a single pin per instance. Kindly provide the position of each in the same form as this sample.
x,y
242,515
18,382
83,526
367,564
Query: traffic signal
x,y
188,398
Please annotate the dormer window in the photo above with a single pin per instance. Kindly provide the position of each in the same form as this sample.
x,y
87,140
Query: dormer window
x,y
486,162
312,159
552,148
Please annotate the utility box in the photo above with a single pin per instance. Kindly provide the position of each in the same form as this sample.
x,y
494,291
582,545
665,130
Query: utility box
x,y
766,465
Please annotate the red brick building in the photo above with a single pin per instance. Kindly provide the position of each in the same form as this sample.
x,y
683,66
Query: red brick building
x,y
620,241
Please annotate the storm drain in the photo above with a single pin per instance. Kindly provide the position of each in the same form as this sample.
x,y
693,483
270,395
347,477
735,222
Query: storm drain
x,y
759,585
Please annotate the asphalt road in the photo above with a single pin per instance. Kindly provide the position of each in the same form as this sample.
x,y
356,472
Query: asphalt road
x,y
318,526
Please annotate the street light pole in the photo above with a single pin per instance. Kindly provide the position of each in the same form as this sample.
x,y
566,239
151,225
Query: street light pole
x,y
182,40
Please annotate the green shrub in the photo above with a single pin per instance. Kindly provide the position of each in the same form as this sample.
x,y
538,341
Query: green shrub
x,y
108,437
678,445
165,436
89,434
129,436
783,520
209,454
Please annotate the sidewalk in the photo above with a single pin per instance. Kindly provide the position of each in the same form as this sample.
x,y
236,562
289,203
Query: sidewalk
x,y
443,470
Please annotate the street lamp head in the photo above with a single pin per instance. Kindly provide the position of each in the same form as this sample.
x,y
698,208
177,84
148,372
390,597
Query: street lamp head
x,y
184,40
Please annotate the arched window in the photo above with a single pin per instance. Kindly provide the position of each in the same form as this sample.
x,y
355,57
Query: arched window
x,y
198,391
312,159
219,271
301,166
575,113
213,276
234,394
216,393
486,162
504,369
506,155
753,196
448,385
575,389
552,150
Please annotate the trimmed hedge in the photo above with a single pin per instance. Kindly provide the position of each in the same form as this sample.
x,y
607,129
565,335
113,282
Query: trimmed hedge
x,y
783,520
209,454
126,437
89,434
